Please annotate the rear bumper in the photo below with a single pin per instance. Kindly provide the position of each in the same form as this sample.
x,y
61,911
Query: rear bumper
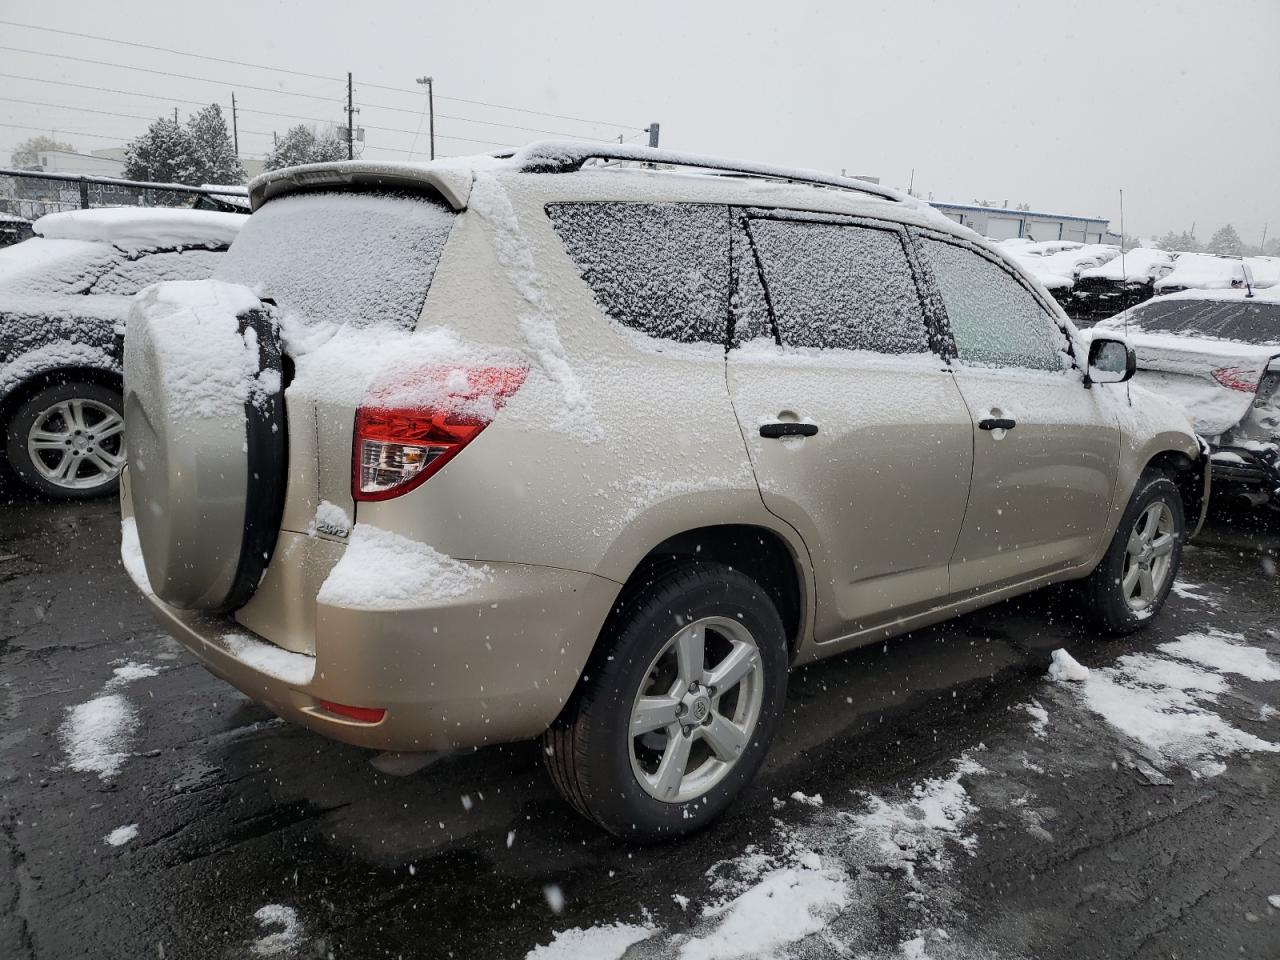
x,y
1242,467
491,666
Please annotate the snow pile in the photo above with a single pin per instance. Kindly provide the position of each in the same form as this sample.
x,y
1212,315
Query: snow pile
x,y
143,228
607,942
787,905
383,570
284,940
121,835
1065,667
207,367
1039,718
295,669
1162,702
96,735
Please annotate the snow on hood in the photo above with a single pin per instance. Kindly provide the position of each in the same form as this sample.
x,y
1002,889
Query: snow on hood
x,y
1136,266
143,228
1203,271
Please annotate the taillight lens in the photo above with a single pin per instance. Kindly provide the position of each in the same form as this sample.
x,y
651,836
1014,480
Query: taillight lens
x,y
412,427
1236,378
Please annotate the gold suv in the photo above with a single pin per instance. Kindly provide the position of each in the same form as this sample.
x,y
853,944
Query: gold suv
x,y
594,444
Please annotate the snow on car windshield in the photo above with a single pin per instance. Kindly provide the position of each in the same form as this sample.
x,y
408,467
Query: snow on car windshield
x,y
1216,319
332,258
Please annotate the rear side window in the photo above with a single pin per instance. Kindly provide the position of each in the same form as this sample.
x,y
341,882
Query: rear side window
x,y
996,321
661,268
129,277
364,259
1218,319
840,287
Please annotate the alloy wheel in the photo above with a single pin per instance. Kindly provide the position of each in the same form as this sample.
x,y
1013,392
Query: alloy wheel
x,y
696,709
77,444
1148,559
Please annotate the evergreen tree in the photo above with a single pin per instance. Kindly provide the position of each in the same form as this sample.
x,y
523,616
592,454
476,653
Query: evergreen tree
x,y
161,155
1226,242
301,144
212,156
1184,242
26,154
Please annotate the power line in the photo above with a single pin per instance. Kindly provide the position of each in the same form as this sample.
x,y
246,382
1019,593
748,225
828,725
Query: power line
x,y
297,73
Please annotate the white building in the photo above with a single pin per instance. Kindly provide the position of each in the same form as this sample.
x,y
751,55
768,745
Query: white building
x,y
91,164
1001,223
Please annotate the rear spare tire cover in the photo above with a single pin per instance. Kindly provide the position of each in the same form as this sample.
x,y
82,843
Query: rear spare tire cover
x,y
205,437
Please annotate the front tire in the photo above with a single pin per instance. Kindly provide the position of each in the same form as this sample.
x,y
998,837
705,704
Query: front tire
x,y
1132,582
677,707
66,441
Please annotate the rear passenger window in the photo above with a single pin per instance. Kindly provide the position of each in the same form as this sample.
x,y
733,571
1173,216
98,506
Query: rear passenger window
x,y
129,277
996,321
661,268
841,287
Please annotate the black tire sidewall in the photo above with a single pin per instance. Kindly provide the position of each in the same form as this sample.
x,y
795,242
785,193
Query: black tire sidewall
x,y
1113,611
623,806
24,417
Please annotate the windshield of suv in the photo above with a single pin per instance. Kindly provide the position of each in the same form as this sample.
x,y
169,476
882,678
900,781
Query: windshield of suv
x,y
1216,319
364,259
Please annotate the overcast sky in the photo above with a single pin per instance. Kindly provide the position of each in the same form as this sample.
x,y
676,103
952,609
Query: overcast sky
x,y
1056,104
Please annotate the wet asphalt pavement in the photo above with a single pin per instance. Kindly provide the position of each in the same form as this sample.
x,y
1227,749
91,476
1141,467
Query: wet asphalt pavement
x,y
1076,846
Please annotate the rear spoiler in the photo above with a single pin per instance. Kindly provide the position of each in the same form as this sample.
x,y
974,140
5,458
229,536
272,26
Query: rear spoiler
x,y
453,183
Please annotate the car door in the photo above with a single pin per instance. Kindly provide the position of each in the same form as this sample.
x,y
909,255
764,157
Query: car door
x,y
857,433
1046,449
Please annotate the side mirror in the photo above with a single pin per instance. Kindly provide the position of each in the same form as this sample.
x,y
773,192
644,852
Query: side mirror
x,y
1111,360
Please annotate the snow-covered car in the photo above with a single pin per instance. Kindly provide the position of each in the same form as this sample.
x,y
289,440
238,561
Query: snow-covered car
x,y
1217,353
496,448
64,296
1207,271
1057,264
1122,282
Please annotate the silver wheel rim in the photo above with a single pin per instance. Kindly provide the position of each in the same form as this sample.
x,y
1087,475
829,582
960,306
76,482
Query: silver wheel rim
x,y
1148,558
77,444
696,709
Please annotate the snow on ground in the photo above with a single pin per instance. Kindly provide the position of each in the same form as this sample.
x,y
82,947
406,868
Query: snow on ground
x,y
1065,667
380,569
1192,591
607,942
121,835
97,735
283,940
1162,702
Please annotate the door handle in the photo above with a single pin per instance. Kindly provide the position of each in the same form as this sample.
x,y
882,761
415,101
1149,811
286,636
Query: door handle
x,y
788,428
997,423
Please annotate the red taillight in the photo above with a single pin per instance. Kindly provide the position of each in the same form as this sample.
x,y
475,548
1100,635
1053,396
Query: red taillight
x,y
411,428
363,714
1236,378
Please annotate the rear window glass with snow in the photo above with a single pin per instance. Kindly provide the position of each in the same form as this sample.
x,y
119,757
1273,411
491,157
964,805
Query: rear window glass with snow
x,y
1219,320
364,259
840,287
995,320
661,268
127,278
39,265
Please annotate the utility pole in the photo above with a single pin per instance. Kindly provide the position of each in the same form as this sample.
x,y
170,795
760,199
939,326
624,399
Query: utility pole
x,y
235,128
175,115
429,82
653,134
351,129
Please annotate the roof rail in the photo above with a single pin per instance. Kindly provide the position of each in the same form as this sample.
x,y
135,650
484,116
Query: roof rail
x,y
556,156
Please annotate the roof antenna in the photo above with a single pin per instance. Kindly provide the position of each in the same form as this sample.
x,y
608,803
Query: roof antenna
x,y
1248,277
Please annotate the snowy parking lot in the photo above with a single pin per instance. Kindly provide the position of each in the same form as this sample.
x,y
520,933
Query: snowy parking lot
x,y
939,796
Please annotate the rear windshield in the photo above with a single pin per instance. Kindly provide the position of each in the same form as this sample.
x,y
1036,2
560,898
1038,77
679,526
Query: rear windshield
x,y
1219,319
364,259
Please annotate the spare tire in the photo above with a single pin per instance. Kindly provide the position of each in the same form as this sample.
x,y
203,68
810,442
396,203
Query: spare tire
x,y
206,440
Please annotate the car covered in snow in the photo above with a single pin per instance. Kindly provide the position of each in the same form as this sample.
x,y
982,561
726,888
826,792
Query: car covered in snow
x,y
1122,282
593,443
1207,271
1058,264
1217,354
64,296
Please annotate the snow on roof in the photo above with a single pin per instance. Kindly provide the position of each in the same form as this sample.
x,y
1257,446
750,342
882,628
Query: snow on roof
x,y
12,218
143,228
1135,266
1260,294
1203,271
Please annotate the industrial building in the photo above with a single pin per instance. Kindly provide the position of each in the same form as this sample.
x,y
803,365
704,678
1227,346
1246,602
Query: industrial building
x,y
1001,223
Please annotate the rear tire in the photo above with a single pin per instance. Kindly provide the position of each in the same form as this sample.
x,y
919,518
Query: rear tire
x,y
706,710
1130,585
66,441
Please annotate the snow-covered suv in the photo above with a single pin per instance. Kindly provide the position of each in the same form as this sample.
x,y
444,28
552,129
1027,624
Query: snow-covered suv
x,y
64,297
595,444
